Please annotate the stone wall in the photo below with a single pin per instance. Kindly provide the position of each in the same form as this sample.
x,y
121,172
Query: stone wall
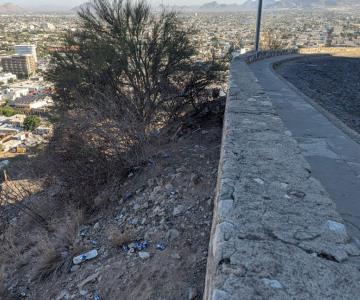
x,y
276,233
252,57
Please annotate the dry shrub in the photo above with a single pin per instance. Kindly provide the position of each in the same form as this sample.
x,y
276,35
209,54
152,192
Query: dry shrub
x,y
57,250
9,248
86,158
121,77
4,293
119,238
51,260
17,192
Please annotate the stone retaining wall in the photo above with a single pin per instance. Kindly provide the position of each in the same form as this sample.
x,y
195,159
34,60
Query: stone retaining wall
x,y
252,57
276,233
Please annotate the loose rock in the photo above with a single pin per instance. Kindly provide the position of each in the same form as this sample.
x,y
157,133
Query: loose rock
x,y
172,234
144,255
192,293
178,210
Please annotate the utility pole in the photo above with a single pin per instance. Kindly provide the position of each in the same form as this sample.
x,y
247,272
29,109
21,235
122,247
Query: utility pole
x,y
258,25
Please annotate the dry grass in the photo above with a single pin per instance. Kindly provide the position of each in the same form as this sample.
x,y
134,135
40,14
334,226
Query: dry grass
x,y
16,192
51,260
4,293
118,238
8,247
57,250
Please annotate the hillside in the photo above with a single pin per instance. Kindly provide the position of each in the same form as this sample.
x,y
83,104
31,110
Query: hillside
x,y
10,8
79,7
215,6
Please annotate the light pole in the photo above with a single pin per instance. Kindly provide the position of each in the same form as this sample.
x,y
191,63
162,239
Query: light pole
x,y
258,25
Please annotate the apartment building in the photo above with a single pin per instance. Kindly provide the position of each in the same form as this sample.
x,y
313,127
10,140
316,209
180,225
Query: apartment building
x,y
23,66
26,49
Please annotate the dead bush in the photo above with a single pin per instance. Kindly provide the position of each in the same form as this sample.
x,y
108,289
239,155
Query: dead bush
x,y
124,74
51,260
9,248
56,250
17,193
4,293
119,238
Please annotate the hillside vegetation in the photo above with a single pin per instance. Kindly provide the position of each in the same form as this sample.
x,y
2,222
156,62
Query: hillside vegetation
x,y
132,161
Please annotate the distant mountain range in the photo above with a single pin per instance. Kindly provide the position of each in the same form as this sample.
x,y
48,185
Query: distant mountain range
x,y
81,6
10,9
271,5
301,4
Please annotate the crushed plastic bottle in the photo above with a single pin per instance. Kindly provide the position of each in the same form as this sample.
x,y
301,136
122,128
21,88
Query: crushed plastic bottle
x,y
84,231
85,256
142,245
137,246
96,296
160,246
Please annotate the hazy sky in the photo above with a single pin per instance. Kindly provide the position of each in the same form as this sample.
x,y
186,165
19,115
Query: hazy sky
x,y
71,3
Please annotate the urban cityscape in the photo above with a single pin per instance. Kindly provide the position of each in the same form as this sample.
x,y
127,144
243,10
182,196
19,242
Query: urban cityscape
x,y
27,41
150,154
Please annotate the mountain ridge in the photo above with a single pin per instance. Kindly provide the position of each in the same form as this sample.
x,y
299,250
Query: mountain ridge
x,y
215,6
11,8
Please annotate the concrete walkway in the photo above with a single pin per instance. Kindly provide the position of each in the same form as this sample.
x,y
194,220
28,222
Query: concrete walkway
x,y
332,154
276,233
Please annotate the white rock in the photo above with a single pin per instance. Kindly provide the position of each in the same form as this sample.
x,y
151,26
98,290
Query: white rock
x,y
175,256
74,268
336,227
172,234
259,181
192,293
144,255
272,283
178,210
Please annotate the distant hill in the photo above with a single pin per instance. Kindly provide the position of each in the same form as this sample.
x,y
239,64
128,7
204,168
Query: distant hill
x,y
79,7
10,8
274,5
253,4
300,4
215,6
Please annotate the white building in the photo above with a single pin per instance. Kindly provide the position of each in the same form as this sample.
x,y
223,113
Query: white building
x,y
5,77
37,103
13,93
48,26
17,120
26,49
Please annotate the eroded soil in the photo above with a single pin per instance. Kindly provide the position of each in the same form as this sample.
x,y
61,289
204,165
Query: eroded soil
x,y
167,203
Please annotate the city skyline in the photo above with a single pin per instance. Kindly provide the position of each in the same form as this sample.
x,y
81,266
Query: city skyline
x,y
72,3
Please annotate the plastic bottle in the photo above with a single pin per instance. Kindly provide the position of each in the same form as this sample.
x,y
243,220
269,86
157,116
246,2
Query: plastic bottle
x,y
85,256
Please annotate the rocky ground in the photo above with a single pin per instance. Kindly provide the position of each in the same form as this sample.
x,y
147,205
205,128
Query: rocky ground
x,y
152,239
333,82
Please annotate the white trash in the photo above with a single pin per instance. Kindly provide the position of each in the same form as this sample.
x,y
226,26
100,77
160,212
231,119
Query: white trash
x,y
85,256
4,164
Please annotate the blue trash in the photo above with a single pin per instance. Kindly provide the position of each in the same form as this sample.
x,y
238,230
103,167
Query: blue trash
x,y
160,246
138,246
96,296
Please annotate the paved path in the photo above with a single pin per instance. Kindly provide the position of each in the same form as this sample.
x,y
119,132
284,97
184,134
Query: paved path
x,y
276,233
332,154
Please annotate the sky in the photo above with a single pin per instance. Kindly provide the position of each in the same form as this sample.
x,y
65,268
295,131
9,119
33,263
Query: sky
x,y
72,3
